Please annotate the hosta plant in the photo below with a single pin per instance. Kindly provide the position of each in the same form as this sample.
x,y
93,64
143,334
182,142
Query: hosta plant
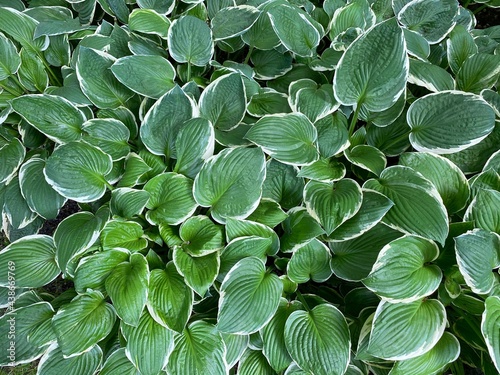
x,y
264,187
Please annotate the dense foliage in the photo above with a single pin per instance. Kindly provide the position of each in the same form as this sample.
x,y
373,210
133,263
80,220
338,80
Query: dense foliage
x,y
265,187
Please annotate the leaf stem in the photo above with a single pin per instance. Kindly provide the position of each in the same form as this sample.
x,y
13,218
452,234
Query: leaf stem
x,y
249,54
49,70
189,72
476,11
354,119
302,300
9,90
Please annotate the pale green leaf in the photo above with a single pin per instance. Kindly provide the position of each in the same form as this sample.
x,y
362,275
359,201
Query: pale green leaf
x,y
149,21
9,60
123,234
484,210
232,21
110,135
199,272
190,41
126,202
490,328
53,362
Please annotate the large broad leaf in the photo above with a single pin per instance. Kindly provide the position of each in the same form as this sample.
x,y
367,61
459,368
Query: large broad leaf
x,y
201,236
433,19
151,76
10,60
53,362
76,170
241,248
373,208
160,6
190,41
22,28
310,262
484,210
273,336
12,155
126,202
194,144
367,157
450,121
253,362
249,297
353,259
318,340
449,180
432,77
313,100
289,138
148,345
477,254
97,81
402,272
459,46
236,346
435,360
418,208
149,21
332,204
295,30
406,330
123,234
39,195
15,208
118,364
90,316
299,228
478,72
170,299
199,272
490,328
74,235
54,116
223,102
17,347
199,350
171,199
323,170
29,262
230,22
282,184
231,183
374,69
164,120
110,135
127,286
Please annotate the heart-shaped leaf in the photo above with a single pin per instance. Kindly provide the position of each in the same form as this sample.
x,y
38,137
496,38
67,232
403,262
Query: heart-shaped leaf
x,y
310,262
190,41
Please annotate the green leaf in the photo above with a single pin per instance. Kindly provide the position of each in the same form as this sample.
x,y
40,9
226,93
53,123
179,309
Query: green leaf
x,y
477,254
310,262
374,69
416,44
249,297
123,234
261,35
236,346
160,6
127,286
418,208
53,362
195,143
22,28
459,46
110,135
15,208
268,213
282,184
223,102
93,270
432,77
232,21
199,272
433,19
26,320
74,235
97,81
149,21
434,361
313,100
253,362
126,202
269,65
164,120
402,272
151,76
190,41
29,262
295,29
332,203
76,170
170,199
373,208
231,183
32,74
402,331
367,157
353,259
201,236
241,228
333,136
451,121
299,228
273,336
478,72
10,60
288,138
170,299
484,210
39,195
323,170
148,345
490,328
448,179
199,350
318,340
118,364
54,116
12,155
90,316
